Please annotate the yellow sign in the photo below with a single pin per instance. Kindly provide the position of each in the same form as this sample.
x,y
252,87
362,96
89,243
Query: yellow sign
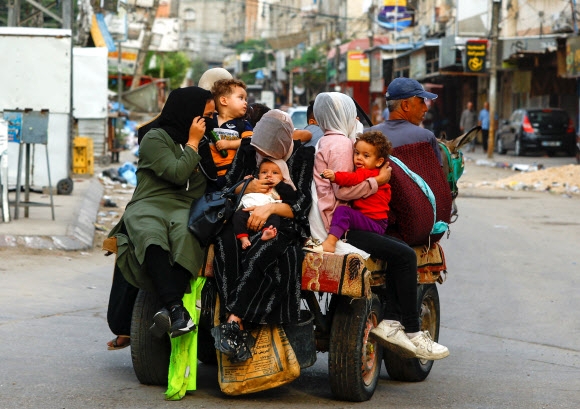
x,y
396,3
476,54
357,66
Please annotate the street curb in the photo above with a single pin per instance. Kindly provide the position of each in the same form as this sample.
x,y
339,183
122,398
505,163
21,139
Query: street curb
x,y
80,234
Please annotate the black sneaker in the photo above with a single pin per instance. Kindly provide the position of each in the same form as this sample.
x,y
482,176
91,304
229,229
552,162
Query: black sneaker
x,y
161,323
233,342
181,322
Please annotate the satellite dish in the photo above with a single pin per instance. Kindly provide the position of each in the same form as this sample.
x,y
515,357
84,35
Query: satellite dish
x,y
299,90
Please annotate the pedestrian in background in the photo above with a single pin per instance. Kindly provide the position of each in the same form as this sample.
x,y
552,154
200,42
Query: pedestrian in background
x,y
312,125
468,120
483,121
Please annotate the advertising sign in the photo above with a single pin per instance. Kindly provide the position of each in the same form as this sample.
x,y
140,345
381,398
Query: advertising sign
x,y
394,15
476,54
357,66
14,121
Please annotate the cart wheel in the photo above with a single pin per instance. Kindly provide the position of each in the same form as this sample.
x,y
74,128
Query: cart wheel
x,y
64,186
354,360
150,354
414,369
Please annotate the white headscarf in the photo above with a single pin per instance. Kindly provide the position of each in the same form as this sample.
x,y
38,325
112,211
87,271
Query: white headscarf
x,y
336,112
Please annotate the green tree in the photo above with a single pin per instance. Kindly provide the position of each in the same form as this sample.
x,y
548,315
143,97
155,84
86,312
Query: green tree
x,y
259,58
171,65
309,71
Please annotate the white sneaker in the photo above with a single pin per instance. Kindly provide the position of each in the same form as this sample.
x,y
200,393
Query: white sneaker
x,y
427,348
391,335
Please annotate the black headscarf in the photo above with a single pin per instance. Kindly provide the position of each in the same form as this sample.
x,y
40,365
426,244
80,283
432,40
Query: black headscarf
x,y
183,104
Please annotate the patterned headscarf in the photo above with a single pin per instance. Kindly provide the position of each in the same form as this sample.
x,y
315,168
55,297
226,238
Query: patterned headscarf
x,y
183,104
273,136
336,112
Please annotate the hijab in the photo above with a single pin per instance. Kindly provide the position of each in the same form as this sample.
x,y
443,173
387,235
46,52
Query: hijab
x,y
336,112
273,136
183,104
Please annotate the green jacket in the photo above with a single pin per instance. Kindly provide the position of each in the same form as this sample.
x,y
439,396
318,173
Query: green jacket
x,y
168,181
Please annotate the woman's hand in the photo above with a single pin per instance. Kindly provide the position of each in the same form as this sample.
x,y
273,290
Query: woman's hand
x,y
384,174
196,131
260,214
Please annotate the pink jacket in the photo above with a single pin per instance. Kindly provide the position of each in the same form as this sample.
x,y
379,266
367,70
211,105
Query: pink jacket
x,y
335,151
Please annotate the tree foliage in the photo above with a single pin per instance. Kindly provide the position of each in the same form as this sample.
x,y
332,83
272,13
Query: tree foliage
x,y
309,71
174,65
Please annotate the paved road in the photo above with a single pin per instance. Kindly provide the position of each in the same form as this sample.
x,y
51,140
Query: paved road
x,y
509,317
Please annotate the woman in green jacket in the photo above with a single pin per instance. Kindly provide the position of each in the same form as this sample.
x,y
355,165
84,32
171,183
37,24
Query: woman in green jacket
x,y
155,249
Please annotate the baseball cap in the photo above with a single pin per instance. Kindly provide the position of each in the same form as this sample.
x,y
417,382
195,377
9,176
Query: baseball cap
x,y
403,88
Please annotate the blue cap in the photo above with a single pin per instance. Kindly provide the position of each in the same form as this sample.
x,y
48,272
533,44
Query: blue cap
x,y
403,88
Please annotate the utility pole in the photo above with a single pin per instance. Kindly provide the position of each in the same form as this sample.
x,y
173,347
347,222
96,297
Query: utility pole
x,y
147,35
496,8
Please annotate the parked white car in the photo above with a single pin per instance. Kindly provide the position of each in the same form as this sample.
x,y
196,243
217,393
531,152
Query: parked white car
x,y
298,115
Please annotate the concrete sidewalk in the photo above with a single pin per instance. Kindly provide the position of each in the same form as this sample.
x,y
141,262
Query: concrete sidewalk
x,y
73,227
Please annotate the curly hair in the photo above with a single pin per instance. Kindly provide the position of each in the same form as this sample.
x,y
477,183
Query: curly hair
x,y
225,87
379,141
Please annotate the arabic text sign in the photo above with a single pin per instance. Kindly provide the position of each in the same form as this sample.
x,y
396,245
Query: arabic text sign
x,y
476,54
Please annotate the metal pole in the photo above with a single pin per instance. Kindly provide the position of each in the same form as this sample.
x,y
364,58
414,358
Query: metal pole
x,y
118,122
496,8
14,14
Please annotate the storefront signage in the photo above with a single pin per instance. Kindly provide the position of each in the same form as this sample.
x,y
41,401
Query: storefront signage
x,y
475,56
514,46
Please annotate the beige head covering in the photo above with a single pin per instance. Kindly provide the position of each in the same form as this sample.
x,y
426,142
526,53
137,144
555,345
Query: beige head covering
x,y
284,169
273,136
212,75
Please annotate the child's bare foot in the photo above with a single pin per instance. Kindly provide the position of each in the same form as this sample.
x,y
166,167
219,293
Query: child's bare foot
x,y
269,233
245,242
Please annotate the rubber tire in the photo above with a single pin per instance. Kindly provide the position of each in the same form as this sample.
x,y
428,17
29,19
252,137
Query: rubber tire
x,y
64,186
416,370
150,355
206,351
500,149
351,349
519,149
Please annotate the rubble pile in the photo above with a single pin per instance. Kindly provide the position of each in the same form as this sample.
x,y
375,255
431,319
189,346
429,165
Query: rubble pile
x,y
559,180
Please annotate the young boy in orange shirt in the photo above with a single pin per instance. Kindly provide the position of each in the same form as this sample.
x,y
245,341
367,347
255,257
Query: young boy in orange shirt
x,y
231,103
